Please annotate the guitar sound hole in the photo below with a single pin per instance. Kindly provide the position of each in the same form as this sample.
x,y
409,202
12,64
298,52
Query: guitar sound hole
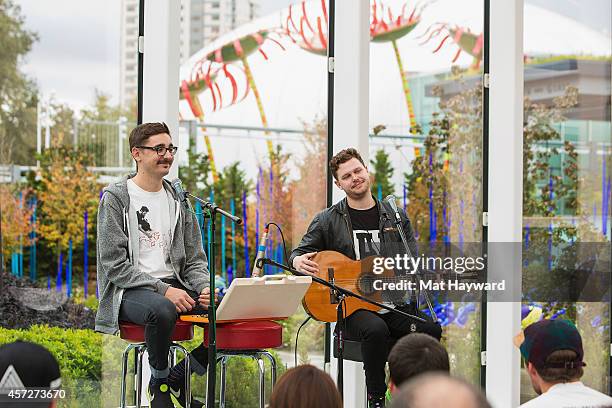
x,y
365,284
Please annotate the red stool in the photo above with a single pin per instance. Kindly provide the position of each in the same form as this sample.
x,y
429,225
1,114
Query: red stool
x,y
134,334
247,339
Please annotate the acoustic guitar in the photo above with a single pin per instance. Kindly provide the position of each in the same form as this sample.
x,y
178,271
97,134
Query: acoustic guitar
x,y
356,276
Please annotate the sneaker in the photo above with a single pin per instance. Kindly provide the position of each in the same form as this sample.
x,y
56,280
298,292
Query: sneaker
x,y
159,395
177,395
376,401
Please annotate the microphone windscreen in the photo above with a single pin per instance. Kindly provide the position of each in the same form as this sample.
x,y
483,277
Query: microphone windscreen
x,y
391,200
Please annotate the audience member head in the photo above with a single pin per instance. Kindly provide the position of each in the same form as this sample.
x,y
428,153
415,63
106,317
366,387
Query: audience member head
x,y
553,352
305,386
416,354
26,365
438,390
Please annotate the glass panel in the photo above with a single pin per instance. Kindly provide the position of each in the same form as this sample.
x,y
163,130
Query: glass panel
x,y
253,106
567,139
426,136
62,138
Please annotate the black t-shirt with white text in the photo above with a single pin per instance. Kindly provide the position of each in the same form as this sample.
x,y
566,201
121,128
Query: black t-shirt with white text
x,y
366,232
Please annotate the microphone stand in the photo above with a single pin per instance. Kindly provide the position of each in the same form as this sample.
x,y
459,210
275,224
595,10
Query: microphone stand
x,y
340,294
211,380
400,229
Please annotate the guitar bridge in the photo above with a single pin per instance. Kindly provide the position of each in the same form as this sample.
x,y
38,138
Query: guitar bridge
x,y
333,298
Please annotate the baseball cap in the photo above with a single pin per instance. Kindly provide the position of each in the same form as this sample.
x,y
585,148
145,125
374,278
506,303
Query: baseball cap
x,y
542,338
26,365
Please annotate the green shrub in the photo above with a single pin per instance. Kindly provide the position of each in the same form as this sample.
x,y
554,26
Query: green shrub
x,y
91,302
90,364
77,351
79,354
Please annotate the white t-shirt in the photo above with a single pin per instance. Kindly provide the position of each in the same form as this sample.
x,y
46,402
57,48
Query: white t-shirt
x,y
154,230
570,395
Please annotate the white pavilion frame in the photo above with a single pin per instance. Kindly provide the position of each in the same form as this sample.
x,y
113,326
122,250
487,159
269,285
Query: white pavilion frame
x,y
351,84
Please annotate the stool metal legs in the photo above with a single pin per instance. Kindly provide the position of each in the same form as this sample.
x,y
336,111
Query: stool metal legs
x,y
262,381
222,379
270,358
174,347
124,368
257,355
138,381
139,349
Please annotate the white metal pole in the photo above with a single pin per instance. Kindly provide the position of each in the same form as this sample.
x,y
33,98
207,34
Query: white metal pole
x,y
350,127
161,66
46,119
161,76
38,132
505,218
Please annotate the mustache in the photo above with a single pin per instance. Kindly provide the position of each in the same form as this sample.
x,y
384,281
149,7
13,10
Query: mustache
x,y
165,161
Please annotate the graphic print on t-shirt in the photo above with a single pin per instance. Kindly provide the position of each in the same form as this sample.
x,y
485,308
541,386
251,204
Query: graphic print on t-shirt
x,y
148,238
143,224
367,243
154,230
366,233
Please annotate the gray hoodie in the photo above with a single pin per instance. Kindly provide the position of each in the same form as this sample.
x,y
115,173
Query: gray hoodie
x,y
117,252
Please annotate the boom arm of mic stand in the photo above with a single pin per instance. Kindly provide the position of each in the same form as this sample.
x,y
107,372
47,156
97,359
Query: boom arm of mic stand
x,y
214,208
339,289
400,229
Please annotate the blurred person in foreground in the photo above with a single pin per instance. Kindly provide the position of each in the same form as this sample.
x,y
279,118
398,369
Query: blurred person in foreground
x,y
415,354
29,376
305,386
438,390
553,354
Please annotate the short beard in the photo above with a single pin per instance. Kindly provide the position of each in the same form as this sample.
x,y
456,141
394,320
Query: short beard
x,y
356,196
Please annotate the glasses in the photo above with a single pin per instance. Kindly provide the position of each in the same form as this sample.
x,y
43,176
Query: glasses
x,y
161,150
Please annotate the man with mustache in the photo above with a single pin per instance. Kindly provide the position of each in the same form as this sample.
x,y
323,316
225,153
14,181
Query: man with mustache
x,y
360,226
150,276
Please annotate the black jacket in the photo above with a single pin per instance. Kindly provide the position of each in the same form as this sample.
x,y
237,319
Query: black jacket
x,y
331,230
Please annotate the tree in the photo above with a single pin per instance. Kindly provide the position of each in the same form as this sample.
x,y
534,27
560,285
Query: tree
x,y
428,181
101,109
67,189
382,172
16,225
63,123
275,196
444,188
98,132
232,182
538,177
18,94
309,190
196,176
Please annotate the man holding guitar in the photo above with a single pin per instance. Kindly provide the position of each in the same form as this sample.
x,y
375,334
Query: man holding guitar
x,y
360,226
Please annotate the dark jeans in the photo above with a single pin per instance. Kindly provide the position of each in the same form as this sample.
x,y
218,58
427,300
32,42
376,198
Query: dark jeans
x,y
375,331
158,314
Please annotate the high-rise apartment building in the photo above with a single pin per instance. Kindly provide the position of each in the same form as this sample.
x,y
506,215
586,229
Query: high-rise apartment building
x,y
201,22
128,60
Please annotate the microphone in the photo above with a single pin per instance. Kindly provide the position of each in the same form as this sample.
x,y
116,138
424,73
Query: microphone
x,y
177,185
391,200
261,252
